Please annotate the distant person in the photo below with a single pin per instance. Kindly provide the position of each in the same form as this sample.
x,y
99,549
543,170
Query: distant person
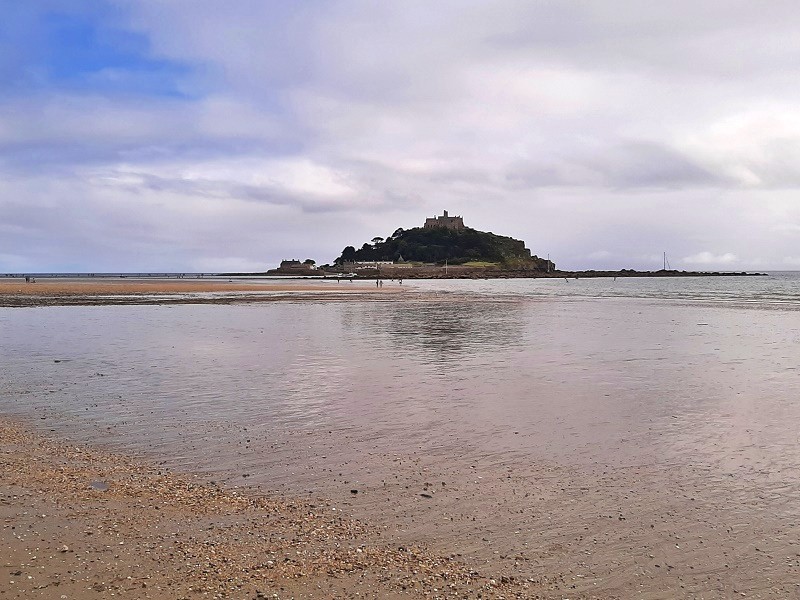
x,y
27,279
401,281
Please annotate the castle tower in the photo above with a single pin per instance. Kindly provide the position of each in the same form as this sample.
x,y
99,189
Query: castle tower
x,y
444,222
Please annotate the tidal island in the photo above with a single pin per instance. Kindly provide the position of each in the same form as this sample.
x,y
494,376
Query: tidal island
x,y
444,247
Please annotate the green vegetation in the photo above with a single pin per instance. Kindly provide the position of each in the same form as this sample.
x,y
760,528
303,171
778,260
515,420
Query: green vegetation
x,y
456,246
480,263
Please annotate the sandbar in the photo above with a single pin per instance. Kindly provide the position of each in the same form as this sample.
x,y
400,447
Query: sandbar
x,y
56,291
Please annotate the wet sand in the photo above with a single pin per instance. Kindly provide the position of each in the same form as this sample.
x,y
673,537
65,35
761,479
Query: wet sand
x,y
81,523
644,531
55,292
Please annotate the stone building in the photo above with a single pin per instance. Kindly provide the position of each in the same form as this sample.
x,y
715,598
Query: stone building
x,y
444,222
296,265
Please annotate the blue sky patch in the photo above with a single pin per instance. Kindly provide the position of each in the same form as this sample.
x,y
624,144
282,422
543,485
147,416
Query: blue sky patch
x,y
79,51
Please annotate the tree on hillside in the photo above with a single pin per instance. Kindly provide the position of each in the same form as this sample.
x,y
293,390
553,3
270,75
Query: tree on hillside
x,y
376,240
348,255
309,261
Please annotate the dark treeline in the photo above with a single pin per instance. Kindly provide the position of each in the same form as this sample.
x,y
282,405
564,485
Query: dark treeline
x,y
456,246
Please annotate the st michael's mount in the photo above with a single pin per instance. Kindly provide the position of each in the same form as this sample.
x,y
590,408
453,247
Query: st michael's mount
x,y
445,247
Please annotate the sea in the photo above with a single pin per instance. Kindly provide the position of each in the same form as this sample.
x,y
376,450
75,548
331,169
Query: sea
x,y
697,377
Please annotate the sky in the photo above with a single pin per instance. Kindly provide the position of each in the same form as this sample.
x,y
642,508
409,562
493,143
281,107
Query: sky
x,y
199,135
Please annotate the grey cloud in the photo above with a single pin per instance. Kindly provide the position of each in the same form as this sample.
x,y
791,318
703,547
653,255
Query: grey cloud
x,y
778,165
628,166
683,37
142,183
643,164
87,129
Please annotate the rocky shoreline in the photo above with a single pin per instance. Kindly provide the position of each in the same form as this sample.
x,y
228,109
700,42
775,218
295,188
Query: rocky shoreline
x,y
456,273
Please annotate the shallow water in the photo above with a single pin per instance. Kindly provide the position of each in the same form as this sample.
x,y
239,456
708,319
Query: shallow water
x,y
587,374
697,377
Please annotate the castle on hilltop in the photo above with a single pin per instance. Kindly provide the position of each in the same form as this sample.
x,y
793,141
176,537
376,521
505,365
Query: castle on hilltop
x,y
444,222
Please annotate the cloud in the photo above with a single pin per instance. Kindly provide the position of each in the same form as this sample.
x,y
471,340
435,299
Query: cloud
x,y
296,182
787,227
200,132
627,165
707,258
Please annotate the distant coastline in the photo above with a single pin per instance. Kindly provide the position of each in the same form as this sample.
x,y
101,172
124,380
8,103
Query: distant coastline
x,y
460,272
426,272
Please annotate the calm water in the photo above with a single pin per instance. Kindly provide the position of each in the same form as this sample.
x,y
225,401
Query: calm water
x,y
589,371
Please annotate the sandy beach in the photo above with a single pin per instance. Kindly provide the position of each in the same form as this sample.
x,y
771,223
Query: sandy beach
x,y
59,292
80,522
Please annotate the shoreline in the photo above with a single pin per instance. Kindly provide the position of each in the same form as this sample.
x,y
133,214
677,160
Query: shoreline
x,y
82,521
91,291
459,272
367,274
78,521
72,291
